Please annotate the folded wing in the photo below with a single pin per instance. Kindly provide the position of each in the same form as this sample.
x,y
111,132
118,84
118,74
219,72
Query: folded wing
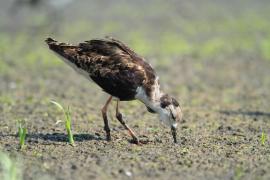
x,y
117,69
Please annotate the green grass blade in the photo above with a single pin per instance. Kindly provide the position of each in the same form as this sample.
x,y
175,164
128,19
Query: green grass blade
x,y
67,115
68,127
9,169
58,105
263,138
22,136
20,130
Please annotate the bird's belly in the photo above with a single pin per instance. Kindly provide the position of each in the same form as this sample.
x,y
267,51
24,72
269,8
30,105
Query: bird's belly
x,y
118,89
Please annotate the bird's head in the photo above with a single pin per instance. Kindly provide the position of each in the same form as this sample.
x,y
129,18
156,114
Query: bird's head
x,y
170,113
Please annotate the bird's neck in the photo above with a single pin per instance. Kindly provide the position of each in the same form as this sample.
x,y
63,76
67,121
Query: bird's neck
x,y
152,102
150,99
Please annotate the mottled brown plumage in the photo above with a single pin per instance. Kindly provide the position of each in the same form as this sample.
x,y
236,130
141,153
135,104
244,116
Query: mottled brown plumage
x,y
117,69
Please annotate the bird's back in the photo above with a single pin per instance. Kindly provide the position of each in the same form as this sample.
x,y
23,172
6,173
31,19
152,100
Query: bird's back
x,y
117,69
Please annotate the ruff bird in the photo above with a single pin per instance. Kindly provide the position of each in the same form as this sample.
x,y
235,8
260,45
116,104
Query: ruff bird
x,y
121,73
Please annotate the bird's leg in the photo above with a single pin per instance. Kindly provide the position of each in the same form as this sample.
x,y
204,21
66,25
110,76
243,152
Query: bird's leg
x,y
106,124
120,119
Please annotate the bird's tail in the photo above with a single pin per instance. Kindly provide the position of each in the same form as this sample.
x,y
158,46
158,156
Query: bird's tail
x,y
55,45
50,41
64,49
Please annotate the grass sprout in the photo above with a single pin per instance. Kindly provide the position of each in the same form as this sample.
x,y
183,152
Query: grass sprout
x,y
263,138
22,133
8,167
67,115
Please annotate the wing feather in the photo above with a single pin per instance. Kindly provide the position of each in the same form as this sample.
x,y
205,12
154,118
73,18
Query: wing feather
x,y
116,68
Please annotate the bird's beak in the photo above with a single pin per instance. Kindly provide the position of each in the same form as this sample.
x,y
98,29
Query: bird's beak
x,y
173,129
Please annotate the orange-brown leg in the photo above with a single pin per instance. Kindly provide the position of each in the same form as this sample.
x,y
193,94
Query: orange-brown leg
x,y
120,119
106,123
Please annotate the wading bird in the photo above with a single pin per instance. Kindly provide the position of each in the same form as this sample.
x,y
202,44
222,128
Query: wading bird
x,y
121,73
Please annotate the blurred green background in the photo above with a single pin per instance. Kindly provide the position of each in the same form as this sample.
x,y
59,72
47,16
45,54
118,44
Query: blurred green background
x,y
155,28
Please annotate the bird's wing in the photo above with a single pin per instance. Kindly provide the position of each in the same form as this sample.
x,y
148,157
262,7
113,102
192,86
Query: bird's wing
x,y
111,64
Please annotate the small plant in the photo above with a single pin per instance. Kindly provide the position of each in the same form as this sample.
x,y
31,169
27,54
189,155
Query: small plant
x,y
67,115
9,169
22,133
263,138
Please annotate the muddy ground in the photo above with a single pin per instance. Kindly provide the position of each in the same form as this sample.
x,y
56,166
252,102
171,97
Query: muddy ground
x,y
225,100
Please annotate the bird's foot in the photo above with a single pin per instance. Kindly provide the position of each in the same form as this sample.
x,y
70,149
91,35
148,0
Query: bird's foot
x,y
136,141
108,136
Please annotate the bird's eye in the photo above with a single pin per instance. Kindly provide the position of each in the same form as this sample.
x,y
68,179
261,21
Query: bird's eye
x,y
164,104
164,101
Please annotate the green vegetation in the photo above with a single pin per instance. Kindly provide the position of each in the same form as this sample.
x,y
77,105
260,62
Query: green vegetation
x,y
239,173
22,133
263,138
9,168
6,99
67,115
265,48
243,34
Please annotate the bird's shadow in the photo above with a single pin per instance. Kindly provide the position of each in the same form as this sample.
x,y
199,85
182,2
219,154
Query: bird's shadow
x,y
247,113
61,137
